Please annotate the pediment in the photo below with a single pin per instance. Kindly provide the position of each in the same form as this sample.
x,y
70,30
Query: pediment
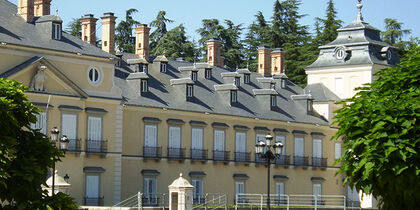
x,y
43,77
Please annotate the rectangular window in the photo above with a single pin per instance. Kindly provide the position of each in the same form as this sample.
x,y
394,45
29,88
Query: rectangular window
x,y
163,67
339,85
208,73
194,75
240,149
92,190
94,128
219,145
240,191
247,78
150,140
273,85
41,122
280,191
237,81
317,191
145,68
233,96
299,147
197,143
316,152
56,31
310,106
190,91
337,149
69,129
273,100
150,188
198,191
144,87
174,142
283,83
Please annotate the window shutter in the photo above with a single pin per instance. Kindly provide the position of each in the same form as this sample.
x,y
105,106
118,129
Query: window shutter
x,y
94,128
150,135
92,186
219,140
317,148
197,138
240,142
69,125
299,147
174,137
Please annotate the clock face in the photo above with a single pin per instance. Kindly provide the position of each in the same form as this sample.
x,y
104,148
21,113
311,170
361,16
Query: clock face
x,y
340,53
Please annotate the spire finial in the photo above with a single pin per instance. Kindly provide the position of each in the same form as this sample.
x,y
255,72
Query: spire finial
x,y
359,15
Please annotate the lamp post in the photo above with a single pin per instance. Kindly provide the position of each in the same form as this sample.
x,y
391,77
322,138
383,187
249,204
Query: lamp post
x,y
268,151
63,146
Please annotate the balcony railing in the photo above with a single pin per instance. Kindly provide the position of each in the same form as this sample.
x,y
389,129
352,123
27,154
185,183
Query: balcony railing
x,y
198,199
176,153
96,146
152,152
95,201
259,159
199,154
75,145
242,156
283,160
221,155
319,162
150,200
300,161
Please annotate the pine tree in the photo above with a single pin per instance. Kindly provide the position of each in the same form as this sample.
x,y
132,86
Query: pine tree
x,y
124,32
259,33
394,34
160,24
74,27
330,24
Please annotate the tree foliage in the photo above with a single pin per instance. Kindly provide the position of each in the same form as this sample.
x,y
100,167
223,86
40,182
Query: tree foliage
x,y
381,131
330,25
394,34
25,154
124,32
74,27
160,24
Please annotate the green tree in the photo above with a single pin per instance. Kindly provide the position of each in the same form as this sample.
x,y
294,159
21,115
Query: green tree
x,y
160,24
175,44
25,154
124,32
74,27
330,24
380,128
211,28
394,34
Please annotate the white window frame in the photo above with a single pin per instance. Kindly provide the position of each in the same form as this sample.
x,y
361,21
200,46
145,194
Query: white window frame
x,y
273,100
145,68
171,139
314,186
310,105
146,133
337,150
295,148
237,81
280,195
194,76
283,83
233,96
86,185
207,73
146,189
57,31
237,189
247,78
101,128
95,81
197,149
194,182
144,86
190,90
163,67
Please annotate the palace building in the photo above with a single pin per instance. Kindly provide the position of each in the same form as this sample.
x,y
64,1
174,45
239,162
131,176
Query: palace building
x,y
135,121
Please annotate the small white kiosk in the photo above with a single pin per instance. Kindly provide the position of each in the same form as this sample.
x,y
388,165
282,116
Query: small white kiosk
x,y
61,185
180,194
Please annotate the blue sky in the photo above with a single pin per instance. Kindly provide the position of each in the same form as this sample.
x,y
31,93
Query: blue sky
x,y
191,12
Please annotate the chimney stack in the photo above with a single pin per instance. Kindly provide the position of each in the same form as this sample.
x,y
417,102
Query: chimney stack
x,y
26,10
89,29
108,32
42,7
214,52
277,61
264,61
142,41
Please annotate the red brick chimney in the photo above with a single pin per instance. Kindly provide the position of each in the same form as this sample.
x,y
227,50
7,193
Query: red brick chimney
x,y
26,10
89,29
42,7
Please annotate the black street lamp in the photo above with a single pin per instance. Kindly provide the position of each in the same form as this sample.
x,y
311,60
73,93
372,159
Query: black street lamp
x,y
63,146
269,152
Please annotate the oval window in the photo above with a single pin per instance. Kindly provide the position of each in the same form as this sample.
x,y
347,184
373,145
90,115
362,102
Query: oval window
x,y
94,76
340,53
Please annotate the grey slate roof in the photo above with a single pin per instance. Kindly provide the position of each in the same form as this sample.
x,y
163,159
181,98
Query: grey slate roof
x,y
15,30
321,93
208,100
362,43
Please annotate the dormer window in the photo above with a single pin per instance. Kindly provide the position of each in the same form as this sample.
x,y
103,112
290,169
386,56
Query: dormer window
x,y
190,91
283,83
233,96
194,76
145,69
56,31
144,87
163,67
273,100
118,64
247,78
310,107
208,73
237,81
